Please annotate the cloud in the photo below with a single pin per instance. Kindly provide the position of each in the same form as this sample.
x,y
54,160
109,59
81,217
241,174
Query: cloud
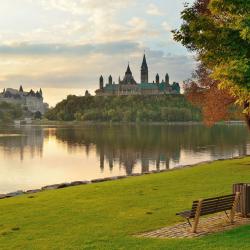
x,y
67,49
166,26
68,73
84,71
80,7
69,43
154,10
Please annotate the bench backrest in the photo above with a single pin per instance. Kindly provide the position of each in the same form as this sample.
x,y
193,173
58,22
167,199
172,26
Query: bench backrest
x,y
214,205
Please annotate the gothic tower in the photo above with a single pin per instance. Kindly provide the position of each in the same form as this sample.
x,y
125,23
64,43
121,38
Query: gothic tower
x,y
167,79
157,79
21,89
101,82
110,79
144,70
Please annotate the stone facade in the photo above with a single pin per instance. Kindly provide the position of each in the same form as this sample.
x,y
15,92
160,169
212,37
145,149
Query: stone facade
x,y
30,101
129,86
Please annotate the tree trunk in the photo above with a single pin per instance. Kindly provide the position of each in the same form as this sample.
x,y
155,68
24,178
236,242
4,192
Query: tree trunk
x,y
247,116
248,120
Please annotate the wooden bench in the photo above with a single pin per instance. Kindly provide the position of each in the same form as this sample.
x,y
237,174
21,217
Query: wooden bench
x,y
210,206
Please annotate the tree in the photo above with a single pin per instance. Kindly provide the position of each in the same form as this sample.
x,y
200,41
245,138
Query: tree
x,y
219,32
38,115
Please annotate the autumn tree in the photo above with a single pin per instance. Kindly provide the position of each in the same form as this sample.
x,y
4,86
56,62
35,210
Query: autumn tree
x,y
218,31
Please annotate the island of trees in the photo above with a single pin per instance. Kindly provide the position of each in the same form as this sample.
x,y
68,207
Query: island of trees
x,y
165,108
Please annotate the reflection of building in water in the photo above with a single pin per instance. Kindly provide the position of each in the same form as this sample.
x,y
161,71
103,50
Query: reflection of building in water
x,y
128,149
121,154
154,147
29,143
129,160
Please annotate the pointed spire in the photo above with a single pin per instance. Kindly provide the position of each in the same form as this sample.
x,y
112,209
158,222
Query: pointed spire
x,y
41,92
144,70
144,62
128,70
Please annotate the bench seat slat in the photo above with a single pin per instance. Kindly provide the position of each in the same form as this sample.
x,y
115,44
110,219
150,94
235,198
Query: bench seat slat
x,y
213,212
215,204
231,199
216,208
217,198
219,206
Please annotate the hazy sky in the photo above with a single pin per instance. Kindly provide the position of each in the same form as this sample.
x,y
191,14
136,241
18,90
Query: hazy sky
x,y
63,46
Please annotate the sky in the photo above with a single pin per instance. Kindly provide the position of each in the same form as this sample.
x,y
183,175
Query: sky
x,y
64,46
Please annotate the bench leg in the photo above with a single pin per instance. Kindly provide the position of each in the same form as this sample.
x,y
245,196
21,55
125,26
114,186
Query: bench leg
x,y
189,222
236,201
197,217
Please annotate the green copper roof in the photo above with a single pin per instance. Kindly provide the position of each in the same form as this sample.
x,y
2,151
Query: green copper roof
x,y
148,86
145,86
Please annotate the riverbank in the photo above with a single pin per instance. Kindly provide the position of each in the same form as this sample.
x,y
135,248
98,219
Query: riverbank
x,y
106,215
46,122
105,179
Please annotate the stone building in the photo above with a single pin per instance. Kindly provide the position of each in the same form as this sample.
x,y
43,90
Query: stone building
x,y
30,101
129,86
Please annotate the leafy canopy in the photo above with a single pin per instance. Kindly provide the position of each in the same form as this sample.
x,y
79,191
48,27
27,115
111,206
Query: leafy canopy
x,y
219,32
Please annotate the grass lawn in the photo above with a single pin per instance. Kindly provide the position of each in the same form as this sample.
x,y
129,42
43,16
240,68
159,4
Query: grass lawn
x,y
106,215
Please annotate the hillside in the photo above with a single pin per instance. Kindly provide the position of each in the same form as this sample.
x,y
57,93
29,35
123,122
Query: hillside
x,y
167,108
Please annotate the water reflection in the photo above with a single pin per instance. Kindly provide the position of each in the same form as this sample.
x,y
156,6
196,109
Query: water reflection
x,y
25,142
45,155
155,145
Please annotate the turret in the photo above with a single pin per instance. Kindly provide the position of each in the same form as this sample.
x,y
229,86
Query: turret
x,y
144,70
157,79
110,79
87,94
167,79
176,87
101,82
41,92
21,89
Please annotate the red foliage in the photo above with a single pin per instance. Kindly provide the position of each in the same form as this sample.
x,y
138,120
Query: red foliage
x,y
204,92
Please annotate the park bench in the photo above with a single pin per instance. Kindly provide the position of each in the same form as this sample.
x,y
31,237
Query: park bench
x,y
210,206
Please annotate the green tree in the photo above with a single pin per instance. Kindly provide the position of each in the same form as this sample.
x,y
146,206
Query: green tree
x,y
219,32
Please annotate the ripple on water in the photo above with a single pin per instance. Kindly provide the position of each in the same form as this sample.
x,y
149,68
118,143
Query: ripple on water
x,y
11,135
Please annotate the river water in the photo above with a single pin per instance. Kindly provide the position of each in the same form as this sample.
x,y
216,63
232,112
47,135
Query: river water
x,y
34,156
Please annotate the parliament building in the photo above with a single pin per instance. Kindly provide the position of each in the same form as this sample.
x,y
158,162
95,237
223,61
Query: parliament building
x,y
128,85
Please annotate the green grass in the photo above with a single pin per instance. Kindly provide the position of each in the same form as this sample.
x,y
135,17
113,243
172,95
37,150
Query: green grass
x,y
107,215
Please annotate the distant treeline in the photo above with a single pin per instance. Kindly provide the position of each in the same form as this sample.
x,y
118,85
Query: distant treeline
x,y
9,112
167,108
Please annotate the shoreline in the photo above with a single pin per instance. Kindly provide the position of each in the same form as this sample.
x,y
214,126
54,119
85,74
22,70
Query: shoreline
x,y
106,179
77,123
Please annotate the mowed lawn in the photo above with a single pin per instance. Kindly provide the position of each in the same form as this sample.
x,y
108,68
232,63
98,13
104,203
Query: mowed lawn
x,y
107,215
